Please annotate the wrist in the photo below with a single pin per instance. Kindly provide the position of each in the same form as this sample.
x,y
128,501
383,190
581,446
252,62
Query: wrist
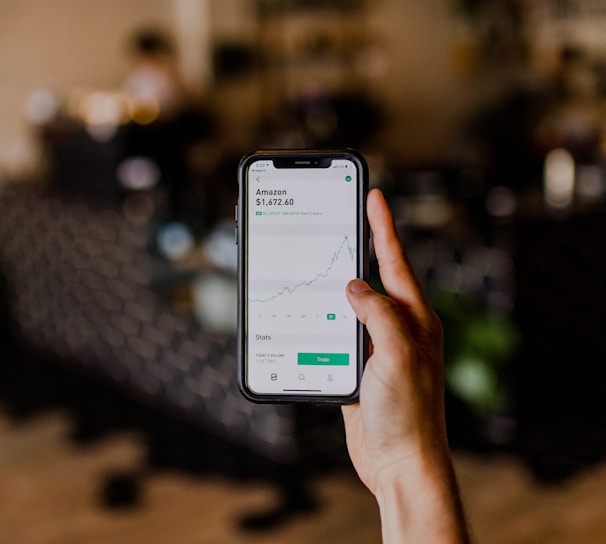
x,y
418,499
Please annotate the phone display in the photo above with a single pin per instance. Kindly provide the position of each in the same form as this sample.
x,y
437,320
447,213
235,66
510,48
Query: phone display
x,y
302,236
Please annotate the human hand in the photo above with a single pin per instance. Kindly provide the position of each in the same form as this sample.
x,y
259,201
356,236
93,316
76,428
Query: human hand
x,y
396,433
400,412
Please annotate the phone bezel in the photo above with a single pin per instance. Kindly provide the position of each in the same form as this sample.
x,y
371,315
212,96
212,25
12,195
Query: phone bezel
x,y
302,158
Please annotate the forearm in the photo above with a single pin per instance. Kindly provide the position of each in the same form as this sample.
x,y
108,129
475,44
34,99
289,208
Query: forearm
x,y
419,503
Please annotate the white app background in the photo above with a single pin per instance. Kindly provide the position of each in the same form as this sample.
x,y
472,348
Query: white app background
x,y
301,252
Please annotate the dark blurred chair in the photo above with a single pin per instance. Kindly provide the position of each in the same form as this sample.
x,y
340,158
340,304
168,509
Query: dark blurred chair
x,y
80,282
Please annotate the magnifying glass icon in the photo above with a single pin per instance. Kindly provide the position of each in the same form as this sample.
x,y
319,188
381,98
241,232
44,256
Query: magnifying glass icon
x,y
302,377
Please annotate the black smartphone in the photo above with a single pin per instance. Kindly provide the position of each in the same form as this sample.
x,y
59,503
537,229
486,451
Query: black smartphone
x,y
302,234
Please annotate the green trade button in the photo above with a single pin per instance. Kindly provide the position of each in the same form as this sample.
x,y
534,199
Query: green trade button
x,y
323,359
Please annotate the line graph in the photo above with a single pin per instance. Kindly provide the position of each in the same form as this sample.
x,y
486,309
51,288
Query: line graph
x,y
345,247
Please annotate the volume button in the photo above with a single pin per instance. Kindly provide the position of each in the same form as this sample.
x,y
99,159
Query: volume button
x,y
236,232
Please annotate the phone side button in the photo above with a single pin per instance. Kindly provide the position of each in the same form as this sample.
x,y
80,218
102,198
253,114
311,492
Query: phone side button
x,y
236,233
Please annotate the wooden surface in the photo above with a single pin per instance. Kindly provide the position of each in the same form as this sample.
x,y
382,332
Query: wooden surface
x,y
49,494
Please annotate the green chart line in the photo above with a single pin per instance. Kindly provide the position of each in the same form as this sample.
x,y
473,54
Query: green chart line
x,y
306,283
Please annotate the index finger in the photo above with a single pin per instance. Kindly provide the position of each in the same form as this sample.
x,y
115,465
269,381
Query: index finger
x,y
396,273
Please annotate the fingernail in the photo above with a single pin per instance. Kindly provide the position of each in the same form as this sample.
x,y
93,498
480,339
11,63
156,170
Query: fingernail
x,y
357,286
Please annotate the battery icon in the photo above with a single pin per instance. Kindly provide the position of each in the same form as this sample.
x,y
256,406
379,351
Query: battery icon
x,y
331,317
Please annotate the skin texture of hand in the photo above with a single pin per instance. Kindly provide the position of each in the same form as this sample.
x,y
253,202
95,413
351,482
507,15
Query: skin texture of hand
x,y
396,433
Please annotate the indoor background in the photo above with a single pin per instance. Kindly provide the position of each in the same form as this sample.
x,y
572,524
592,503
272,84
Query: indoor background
x,y
122,127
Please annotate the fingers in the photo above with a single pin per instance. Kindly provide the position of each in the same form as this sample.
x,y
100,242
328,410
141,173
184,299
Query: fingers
x,y
396,274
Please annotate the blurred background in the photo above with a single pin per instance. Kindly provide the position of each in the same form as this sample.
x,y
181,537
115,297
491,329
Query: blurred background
x,y
122,126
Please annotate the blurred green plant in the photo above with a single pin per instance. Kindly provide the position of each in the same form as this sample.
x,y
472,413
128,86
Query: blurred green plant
x,y
478,350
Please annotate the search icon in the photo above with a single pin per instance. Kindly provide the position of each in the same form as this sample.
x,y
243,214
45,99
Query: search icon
x,y
302,377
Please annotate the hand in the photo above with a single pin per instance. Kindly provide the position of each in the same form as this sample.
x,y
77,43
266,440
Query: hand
x,y
396,433
400,412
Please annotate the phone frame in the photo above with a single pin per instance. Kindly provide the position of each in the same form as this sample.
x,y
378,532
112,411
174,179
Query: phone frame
x,y
299,158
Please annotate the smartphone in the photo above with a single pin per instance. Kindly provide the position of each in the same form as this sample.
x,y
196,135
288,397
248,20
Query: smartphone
x,y
302,234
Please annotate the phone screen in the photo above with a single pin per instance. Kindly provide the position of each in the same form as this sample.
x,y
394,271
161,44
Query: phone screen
x,y
302,245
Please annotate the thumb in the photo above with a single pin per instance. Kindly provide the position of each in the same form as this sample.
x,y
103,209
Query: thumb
x,y
358,292
381,315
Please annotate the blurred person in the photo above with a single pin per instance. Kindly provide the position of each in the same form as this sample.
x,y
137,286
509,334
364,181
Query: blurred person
x,y
396,434
154,80
166,120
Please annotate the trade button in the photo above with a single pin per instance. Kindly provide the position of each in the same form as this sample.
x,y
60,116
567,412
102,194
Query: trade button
x,y
323,359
